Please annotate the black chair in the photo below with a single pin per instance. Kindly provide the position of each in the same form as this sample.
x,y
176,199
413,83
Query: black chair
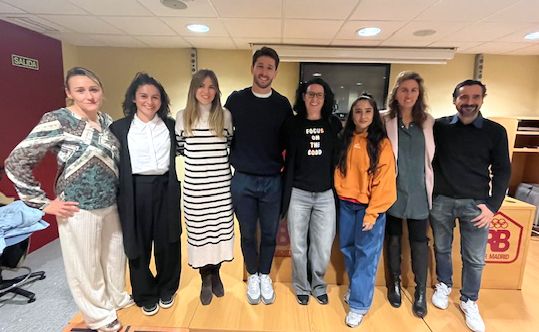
x,y
10,260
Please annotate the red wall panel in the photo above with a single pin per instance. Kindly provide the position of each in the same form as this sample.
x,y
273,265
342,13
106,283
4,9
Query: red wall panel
x,y
25,95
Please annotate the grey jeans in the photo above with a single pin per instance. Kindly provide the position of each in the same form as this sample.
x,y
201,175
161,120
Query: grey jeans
x,y
311,226
473,242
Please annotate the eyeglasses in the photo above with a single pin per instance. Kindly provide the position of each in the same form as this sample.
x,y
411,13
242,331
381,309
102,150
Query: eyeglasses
x,y
312,95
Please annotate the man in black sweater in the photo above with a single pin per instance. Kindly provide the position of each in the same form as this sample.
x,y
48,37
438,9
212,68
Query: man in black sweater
x,y
258,113
471,174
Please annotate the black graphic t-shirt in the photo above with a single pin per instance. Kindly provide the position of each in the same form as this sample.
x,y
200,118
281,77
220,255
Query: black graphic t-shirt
x,y
314,153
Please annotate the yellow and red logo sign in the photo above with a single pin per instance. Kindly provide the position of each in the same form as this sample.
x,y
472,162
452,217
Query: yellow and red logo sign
x,y
504,240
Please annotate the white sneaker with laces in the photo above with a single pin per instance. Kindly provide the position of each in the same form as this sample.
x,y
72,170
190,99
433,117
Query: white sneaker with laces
x,y
440,298
473,317
253,289
266,289
353,319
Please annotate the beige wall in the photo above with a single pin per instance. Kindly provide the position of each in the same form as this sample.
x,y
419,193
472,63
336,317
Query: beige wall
x,y
440,80
512,85
70,56
512,81
117,66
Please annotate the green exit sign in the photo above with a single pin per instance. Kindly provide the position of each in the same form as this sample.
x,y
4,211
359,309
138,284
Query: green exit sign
x,y
24,62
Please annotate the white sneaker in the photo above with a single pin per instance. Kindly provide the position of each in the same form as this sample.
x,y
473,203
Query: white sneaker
x,y
440,298
353,319
266,288
473,317
253,289
347,296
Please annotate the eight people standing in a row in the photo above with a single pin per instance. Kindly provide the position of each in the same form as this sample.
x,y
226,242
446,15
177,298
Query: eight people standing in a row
x,y
371,175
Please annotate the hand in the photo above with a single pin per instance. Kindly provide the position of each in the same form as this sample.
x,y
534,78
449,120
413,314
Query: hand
x,y
484,219
367,227
180,167
62,209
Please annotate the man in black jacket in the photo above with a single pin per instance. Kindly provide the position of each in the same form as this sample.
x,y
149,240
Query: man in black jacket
x,y
471,174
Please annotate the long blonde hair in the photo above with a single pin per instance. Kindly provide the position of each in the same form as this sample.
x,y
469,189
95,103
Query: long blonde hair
x,y
190,115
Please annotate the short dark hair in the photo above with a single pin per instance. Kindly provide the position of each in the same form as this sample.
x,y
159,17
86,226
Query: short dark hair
x,y
329,98
266,51
141,79
468,83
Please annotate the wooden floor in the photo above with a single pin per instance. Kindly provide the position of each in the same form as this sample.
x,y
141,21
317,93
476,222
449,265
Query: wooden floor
x,y
502,310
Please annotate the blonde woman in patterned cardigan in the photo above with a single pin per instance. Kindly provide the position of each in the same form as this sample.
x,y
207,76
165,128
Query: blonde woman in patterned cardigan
x,y
85,203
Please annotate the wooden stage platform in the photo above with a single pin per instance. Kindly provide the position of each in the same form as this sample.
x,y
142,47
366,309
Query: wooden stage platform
x,y
502,310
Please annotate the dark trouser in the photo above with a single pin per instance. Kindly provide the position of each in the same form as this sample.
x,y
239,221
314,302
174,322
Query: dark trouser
x,y
417,236
209,269
257,199
151,223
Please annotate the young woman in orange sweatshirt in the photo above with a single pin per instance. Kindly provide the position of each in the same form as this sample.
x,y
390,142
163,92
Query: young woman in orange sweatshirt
x,y
365,182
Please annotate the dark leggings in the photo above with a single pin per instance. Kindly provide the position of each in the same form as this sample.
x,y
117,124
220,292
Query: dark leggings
x,y
209,269
417,228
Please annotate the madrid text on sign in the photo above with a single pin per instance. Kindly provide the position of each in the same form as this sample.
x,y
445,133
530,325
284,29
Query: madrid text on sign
x,y
504,240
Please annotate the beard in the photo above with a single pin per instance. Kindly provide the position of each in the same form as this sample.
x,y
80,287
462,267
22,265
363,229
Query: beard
x,y
260,84
468,111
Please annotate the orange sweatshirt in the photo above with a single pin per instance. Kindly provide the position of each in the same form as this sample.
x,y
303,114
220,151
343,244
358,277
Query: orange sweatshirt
x,y
378,191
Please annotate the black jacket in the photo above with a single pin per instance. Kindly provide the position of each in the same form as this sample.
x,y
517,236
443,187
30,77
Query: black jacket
x,y
126,198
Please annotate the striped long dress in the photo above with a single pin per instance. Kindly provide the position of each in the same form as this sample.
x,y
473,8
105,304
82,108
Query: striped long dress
x,y
207,202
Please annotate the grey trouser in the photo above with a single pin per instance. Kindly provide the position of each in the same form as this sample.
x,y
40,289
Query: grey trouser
x,y
311,226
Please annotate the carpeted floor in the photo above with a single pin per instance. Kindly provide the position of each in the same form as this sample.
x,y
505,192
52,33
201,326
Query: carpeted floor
x,y
54,306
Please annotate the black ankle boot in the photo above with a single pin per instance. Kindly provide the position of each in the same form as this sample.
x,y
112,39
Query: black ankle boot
x,y
420,302
420,252
216,284
206,289
394,258
394,291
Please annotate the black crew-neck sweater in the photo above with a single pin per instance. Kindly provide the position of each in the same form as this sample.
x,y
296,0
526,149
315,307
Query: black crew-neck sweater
x,y
258,140
462,159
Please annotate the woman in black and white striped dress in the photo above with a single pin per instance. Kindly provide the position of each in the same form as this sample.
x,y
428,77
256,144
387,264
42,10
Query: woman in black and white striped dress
x,y
204,132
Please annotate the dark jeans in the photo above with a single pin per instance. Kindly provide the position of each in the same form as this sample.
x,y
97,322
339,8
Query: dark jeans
x,y
473,242
257,199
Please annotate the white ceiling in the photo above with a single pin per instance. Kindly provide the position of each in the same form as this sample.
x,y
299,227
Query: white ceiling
x,y
472,26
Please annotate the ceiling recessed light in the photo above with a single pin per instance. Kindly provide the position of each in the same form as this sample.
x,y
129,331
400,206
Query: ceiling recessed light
x,y
359,83
368,32
198,28
424,32
532,35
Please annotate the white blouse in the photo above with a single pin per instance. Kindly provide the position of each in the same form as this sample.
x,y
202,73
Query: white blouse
x,y
149,146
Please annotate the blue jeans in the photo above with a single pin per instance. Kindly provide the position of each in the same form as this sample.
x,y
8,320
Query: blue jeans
x,y
473,242
311,226
361,252
257,199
